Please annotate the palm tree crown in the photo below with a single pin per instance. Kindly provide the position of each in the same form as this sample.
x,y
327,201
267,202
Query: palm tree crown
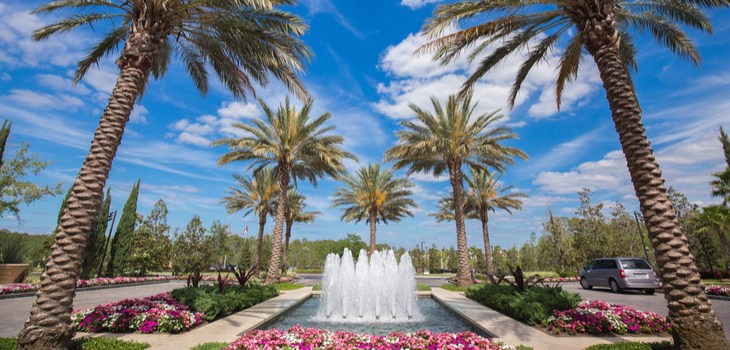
x,y
253,195
543,26
295,209
487,194
242,41
295,146
374,190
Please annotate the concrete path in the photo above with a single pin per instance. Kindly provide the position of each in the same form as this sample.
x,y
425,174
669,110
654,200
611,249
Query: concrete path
x,y
223,330
514,333
654,303
15,311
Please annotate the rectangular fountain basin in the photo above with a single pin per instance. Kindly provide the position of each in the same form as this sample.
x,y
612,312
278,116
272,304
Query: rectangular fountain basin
x,y
437,319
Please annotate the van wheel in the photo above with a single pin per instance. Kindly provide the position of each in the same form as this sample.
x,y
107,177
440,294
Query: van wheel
x,y
584,283
649,291
614,286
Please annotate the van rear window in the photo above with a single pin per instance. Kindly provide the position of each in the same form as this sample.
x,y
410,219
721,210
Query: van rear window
x,y
635,264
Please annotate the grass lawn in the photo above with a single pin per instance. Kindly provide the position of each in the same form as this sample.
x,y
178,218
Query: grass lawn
x,y
452,287
287,286
423,287
210,346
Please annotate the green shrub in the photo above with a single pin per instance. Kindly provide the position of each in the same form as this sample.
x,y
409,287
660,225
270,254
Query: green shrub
x,y
532,307
452,287
209,301
106,344
309,271
7,343
210,346
567,274
423,287
287,286
632,346
317,287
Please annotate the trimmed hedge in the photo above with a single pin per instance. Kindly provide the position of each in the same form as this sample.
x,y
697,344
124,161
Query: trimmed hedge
x,y
531,307
632,346
209,301
87,344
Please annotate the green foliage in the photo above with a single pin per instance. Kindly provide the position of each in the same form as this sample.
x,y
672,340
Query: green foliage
x,y
320,271
317,287
31,248
532,307
192,250
4,134
14,189
12,249
434,260
99,343
374,194
210,346
306,254
208,300
421,287
97,239
219,235
151,245
122,241
453,287
632,346
287,286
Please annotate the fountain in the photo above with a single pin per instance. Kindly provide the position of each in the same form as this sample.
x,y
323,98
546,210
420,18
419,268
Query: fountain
x,y
379,289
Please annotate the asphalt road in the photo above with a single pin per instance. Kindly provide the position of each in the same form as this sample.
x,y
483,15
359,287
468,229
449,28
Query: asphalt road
x,y
15,311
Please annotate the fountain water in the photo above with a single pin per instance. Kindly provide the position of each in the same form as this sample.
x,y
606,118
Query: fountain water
x,y
379,289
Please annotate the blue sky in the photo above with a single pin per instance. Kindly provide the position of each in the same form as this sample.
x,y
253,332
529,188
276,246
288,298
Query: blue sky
x,y
364,74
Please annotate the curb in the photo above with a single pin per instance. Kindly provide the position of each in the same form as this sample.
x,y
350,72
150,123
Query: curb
x,y
83,289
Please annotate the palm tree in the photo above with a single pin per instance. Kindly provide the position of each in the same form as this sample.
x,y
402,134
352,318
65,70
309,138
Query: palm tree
x,y
604,28
720,186
258,196
486,195
376,196
446,210
296,146
446,140
715,218
294,213
242,42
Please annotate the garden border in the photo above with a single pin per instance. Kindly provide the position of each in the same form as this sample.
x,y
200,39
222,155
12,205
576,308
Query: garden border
x,y
83,289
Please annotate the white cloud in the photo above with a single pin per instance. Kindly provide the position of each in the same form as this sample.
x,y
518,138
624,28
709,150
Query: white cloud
x,y
139,115
42,100
609,173
416,79
6,77
238,110
58,83
414,4
102,79
326,7
429,177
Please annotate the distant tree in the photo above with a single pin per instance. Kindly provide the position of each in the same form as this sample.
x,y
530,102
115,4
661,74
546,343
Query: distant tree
x,y
715,219
255,195
447,140
123,237
417,257
294,213
14,191
220,233
452,258
192,250
434,260
487,194
374,195
297,146
97,239
151,245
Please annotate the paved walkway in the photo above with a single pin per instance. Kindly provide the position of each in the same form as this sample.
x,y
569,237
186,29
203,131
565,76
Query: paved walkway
x,y
514,333
15,311
223,330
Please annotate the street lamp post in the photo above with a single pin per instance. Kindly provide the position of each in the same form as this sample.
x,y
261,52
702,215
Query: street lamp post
x,y
641,236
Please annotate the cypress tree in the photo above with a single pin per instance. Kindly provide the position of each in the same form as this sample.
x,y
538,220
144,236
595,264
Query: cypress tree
x,y
95,246
123,237
4,133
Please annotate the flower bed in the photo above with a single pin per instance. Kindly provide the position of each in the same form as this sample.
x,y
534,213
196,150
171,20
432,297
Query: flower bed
x,y
96,282
560,279
601,317
298,337
723,291
159,313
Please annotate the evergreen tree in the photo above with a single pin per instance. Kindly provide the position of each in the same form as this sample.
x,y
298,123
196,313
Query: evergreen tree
x,y
151,245
97,239
123,237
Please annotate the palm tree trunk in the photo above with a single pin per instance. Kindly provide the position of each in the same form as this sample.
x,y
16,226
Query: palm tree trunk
x,y
260,243
694,323
275,264
455,177
49,325
285,261
488,259
373,223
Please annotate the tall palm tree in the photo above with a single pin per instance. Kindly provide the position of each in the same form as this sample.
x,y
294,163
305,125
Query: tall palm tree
x,y
254,195
604,28
715,219
294,213
486,194
242,42
297,146
720,186
376,196
446,140
446,210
